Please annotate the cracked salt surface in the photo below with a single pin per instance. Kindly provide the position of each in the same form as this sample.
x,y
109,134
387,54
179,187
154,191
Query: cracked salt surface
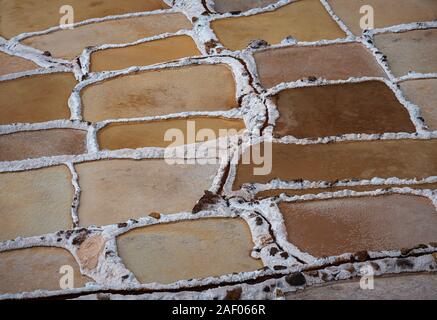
x,y
287,269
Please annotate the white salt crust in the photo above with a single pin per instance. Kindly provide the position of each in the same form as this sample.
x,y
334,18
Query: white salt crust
x,y
259,113
277,286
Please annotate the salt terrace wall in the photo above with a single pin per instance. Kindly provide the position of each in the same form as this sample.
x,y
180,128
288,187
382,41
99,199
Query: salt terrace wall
x,y
67,93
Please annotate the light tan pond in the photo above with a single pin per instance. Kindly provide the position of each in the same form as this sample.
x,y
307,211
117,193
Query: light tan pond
x,y
115,191
70,43
409,51
44,143
38,268
404,287
13,64
160,92
152,134
29,16
239,5
186,250
37,98
424,94
36,202
143,54
401,11
295,19
320,62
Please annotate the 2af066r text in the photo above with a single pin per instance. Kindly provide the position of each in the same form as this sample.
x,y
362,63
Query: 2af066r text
x,y
220,310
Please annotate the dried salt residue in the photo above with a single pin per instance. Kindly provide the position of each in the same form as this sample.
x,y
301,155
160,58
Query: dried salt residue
x,y
287,268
